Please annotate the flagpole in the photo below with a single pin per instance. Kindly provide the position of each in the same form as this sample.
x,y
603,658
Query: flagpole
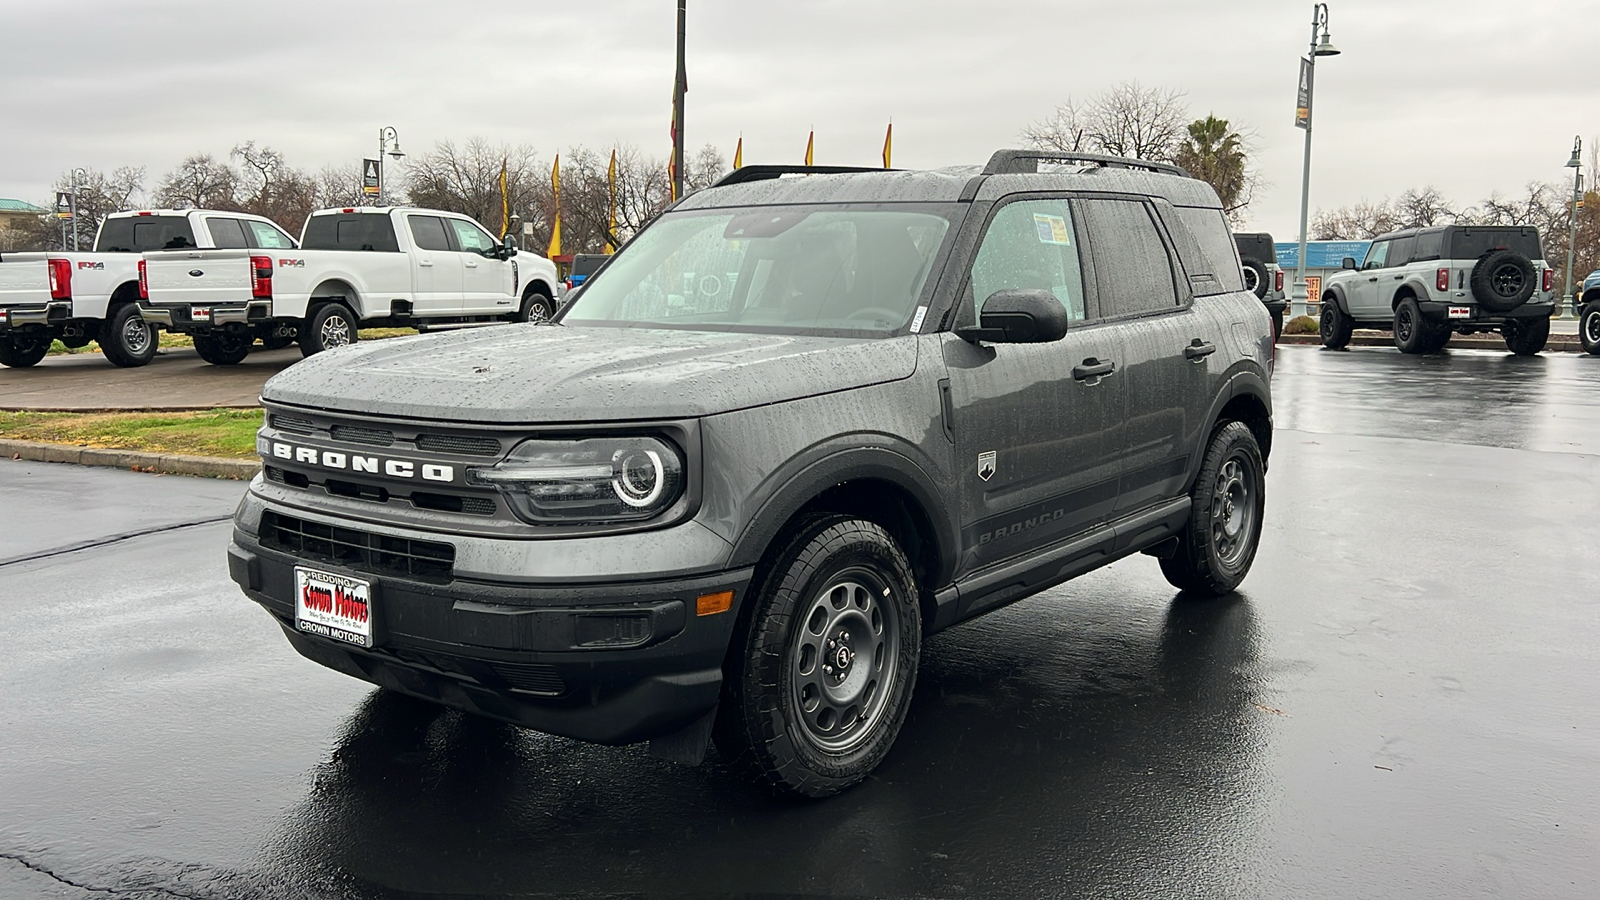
x,y
678,90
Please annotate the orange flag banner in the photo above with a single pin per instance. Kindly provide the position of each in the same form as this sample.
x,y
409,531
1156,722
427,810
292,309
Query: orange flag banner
x,y
810,141
888,143
738,153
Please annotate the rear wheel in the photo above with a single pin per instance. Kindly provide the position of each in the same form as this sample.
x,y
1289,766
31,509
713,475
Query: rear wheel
x,y
1412,331
1335,327
819,684
1219,541
222,348
22,349
1526,337
273,340
1437,339
127,340
330,325
1589,327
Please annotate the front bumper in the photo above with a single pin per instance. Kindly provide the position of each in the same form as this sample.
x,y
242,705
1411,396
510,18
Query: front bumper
x,y
46,315
1439,310
181,315
610,663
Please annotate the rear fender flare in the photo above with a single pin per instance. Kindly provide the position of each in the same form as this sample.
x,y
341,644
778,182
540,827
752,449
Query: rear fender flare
x,y
1242,382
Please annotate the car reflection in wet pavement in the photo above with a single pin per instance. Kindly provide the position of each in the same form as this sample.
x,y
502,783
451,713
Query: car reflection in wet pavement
x,y
1398,703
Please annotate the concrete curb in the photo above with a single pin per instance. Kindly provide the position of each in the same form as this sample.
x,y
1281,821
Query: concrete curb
x,y
164,463
1559,343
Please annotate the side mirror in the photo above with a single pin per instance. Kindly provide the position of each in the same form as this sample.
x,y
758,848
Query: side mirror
x,y
1019,317
1348,263
509,248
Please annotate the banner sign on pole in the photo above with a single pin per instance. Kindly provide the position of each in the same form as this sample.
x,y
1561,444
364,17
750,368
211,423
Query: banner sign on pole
x,y
1302,107
371,176
63,205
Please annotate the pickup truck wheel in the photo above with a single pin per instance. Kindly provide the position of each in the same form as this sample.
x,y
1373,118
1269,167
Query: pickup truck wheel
x,y
127,340
1526,337
536,307
1412,331
818,684
1589,328
1218,543
221,348
22,349
275,341
1335,327
331,325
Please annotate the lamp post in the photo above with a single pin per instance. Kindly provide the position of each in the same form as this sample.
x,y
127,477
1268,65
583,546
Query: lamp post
x,y
387,136
72,204
1576,165
1324,47
680,86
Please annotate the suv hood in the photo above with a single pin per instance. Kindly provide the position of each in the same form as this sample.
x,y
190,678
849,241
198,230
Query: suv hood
x,y
551,374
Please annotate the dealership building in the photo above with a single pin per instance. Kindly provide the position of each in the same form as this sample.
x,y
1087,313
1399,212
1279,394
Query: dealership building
x,y
1323,258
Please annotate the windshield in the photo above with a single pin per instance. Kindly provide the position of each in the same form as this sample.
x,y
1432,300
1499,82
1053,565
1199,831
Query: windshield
x,y
829,270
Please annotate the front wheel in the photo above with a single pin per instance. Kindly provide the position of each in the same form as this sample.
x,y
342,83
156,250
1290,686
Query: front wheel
x,y
1218,543
127,340
23,349
1589,328
1526,337
819,684
222,348
330,325
536,307
1335,327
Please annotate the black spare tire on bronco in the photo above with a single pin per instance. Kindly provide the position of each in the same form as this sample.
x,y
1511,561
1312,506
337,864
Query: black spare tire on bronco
x,y
1503,280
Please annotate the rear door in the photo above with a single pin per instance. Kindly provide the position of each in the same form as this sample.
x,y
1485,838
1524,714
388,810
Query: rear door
x,y
1361,291
435,266
485,278
1030,420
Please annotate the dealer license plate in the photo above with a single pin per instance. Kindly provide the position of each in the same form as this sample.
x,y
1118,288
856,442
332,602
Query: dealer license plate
x,y
333,606
1460,312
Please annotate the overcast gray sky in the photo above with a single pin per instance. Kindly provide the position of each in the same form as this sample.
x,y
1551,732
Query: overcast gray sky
x,y
1471,96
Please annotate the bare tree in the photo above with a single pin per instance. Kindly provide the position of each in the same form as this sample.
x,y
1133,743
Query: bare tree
x,y
705,169
1126,120
642,191
342,186
1363,221
270,187
199,182
99,194
466,180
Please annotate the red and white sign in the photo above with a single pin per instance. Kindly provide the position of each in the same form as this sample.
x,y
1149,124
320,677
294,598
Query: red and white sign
x,y
333,606
1460,312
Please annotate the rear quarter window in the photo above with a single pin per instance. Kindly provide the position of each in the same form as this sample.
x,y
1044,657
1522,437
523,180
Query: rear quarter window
x,y
350,231
141,234
1221,257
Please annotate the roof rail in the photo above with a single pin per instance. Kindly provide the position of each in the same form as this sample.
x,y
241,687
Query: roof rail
x,y
762,173
1026,162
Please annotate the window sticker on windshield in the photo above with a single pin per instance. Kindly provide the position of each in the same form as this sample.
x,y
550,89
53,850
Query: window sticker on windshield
x,y
1052,229
916,322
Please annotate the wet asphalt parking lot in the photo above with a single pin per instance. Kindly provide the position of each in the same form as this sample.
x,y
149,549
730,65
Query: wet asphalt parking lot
x,y
1400,702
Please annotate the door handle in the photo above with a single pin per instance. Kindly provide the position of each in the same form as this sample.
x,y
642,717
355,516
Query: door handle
x,y
1399,277
425,262
1199,350
1093,368
472,264
1373,278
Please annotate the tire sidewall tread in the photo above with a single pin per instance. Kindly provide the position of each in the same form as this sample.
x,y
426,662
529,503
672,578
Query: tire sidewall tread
x,y
1194,566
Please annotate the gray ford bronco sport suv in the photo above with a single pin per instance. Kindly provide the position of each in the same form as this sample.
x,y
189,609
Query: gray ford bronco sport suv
x,y
794,427
1425,284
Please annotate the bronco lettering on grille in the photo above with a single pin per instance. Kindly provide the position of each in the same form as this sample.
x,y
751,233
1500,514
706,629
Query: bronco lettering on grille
x,y
356,462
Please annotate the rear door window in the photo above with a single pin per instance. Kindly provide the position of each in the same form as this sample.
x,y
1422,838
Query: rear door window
x,y
351,231
428,232
1031,244
1400,251
266,237
1429,244
141,234
226,234
1209,258
1133,272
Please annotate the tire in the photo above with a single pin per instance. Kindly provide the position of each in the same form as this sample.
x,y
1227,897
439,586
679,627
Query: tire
x,y
1219,541
1335,327
1256,279
1277,326
1589,328
127,340
1526,337
23,349
838,587
1412,330
536,307
223,348
1437,339
330,325
274,341
1503,280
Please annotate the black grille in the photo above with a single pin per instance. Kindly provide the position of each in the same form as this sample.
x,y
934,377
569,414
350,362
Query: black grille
x,y
472,506
466,446
281,476
355,434
291,423
535,678
357,549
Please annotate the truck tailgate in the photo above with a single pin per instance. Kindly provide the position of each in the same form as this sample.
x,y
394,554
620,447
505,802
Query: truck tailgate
x,y
24,279
205,277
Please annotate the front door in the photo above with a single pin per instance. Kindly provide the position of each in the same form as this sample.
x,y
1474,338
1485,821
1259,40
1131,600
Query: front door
x,y
435,268
485,277
1030,420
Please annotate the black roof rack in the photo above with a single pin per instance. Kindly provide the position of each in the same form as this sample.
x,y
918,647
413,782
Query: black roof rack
x,y
1026,162
762,173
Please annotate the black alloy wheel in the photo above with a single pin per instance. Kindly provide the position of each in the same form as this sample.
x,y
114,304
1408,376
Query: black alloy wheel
x,y
1526,337
1503,280
1335,328
1412,331
23,349
819,680
223,348
1218,543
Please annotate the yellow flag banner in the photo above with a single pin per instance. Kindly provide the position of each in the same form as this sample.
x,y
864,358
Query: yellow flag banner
x,y
738,153
888,143
611,184
554,250
505,202
810,143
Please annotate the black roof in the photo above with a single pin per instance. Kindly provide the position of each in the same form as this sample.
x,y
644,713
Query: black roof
x,y
1460,229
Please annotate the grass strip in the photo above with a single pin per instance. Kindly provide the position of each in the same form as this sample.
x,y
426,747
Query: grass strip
x,y
226,433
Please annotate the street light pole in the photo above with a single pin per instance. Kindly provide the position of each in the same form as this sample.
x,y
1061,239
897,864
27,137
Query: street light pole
x,y
1319,25
72,205
679,88
1576,165
386,136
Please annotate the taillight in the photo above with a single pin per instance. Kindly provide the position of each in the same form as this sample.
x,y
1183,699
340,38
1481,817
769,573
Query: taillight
x,y
60,279
261,276
144,284
1442,282
1277,281
1549,279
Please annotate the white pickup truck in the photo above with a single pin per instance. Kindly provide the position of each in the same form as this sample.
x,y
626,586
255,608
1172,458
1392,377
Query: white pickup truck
x,y
355,267
79,297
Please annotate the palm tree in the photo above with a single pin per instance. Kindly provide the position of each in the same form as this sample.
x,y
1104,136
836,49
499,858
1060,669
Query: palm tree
x,y
1216,154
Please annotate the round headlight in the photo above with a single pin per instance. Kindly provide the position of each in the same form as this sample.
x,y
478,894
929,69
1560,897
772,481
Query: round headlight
x,y
640,476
